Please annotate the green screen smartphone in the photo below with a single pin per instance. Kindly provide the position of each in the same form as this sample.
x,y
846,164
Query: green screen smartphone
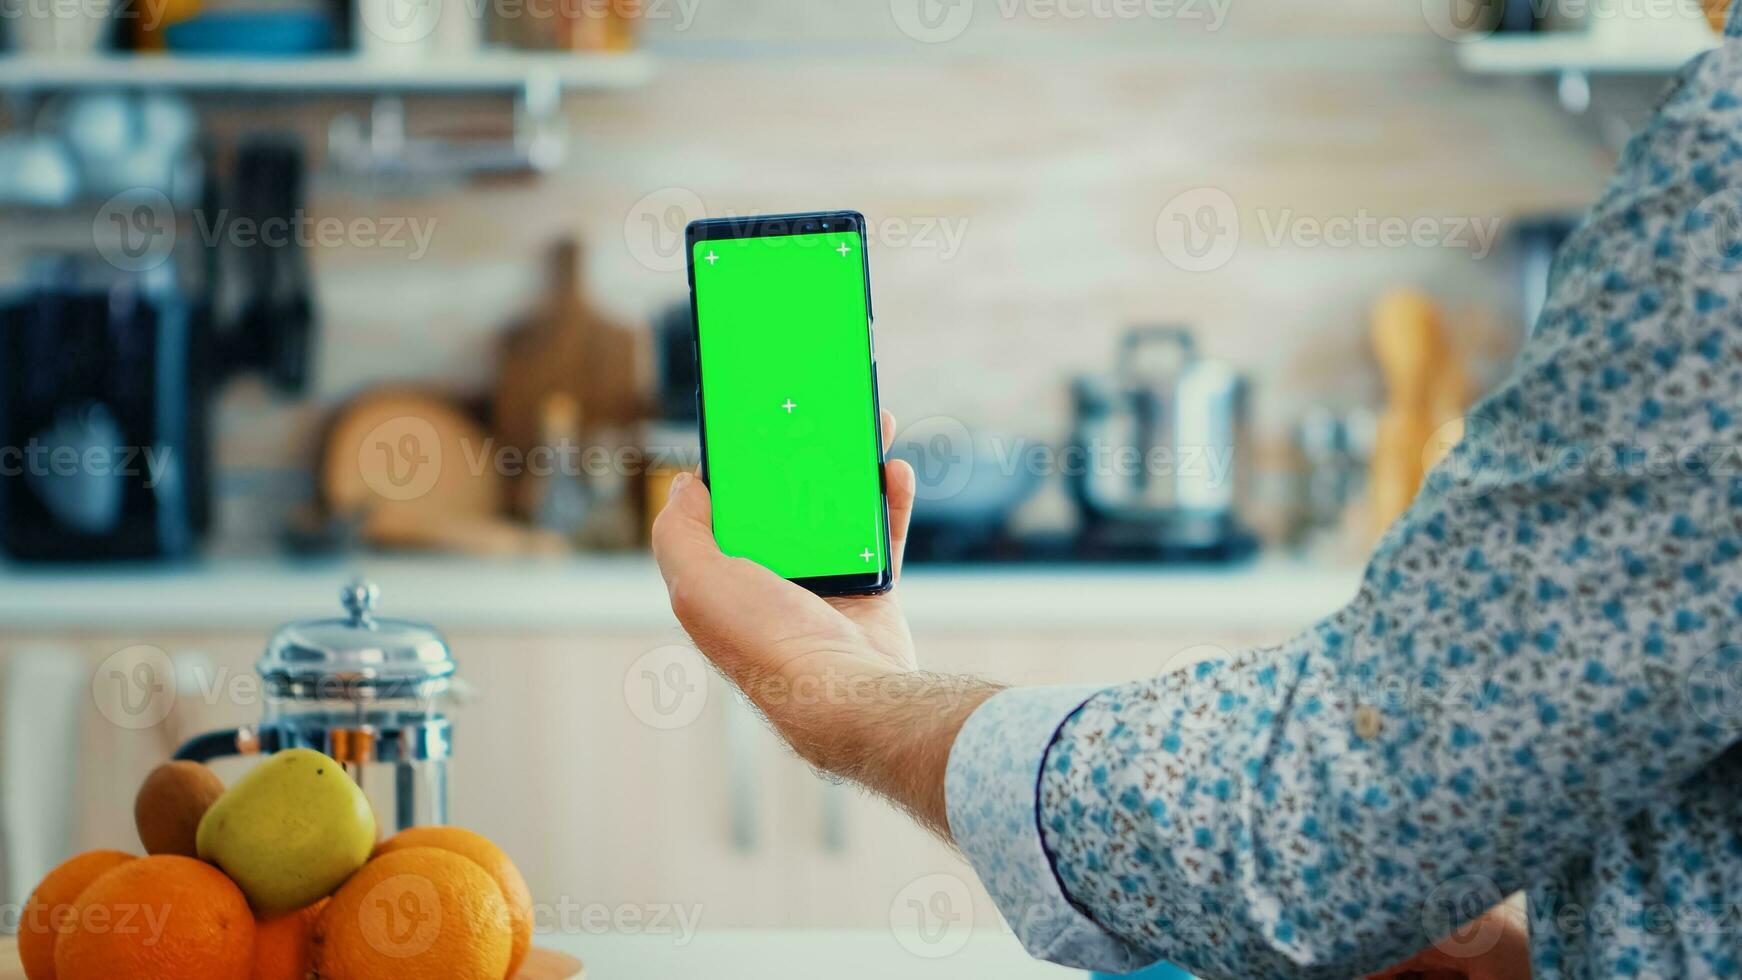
x,y
791,443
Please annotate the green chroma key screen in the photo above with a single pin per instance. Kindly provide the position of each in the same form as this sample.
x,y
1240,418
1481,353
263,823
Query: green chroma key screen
x,y
789,412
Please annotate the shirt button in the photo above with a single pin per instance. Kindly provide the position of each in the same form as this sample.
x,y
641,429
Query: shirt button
x,y
1368,721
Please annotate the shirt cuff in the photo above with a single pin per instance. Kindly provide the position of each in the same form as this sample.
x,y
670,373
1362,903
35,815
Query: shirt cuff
x,y
992,792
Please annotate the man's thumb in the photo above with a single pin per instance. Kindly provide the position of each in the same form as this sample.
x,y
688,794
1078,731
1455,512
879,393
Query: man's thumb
x,y
684,531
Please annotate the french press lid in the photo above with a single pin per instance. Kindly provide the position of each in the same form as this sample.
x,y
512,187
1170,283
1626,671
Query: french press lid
x,y
360,658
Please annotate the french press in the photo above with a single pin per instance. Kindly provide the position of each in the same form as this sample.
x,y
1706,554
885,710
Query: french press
x,y
369,692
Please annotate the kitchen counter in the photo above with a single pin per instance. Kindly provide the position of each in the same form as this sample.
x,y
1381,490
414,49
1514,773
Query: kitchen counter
x,y
626,593
805,954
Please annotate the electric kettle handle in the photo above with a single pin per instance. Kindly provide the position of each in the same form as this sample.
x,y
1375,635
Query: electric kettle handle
x,y
1172,334
1175,336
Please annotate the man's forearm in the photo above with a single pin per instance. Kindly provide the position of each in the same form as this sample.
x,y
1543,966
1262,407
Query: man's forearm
x,y
889,732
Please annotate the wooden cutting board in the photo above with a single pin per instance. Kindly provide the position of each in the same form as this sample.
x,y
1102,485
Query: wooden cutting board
x,y
541,964
420,474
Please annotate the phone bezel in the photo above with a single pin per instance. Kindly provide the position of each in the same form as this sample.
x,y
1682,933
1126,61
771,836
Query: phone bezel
x,y
778,225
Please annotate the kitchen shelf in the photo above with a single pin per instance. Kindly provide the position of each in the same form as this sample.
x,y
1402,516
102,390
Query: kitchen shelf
x,y
488,71
1573,51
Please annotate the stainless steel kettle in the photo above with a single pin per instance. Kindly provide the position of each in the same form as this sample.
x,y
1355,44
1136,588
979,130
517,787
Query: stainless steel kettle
x,y
370,692
1157,447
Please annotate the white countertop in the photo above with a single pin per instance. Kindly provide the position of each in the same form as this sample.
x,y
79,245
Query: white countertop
x,y
626,593
799,954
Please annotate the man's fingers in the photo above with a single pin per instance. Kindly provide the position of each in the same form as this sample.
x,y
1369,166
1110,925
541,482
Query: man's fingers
x,y
899,476
683,534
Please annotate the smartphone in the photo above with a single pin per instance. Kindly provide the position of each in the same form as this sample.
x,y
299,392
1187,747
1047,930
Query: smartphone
x,y
792,442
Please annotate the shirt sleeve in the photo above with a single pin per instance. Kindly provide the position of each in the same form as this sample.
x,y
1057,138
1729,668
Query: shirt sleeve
x,y
990,785
1540,647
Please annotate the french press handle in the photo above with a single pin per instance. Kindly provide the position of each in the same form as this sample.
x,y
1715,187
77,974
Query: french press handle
x,y
227,742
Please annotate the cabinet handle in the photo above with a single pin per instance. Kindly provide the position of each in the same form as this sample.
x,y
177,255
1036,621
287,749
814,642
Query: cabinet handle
x,y
41,702
834,805
743,735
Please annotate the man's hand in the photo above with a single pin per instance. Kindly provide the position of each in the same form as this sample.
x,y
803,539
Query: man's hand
x,y
837,677
1494,947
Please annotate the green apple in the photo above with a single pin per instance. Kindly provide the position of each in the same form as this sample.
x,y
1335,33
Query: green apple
x,y
290,832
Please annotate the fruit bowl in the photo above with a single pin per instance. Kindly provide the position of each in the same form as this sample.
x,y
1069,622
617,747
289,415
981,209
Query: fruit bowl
x,y
281,875
541,964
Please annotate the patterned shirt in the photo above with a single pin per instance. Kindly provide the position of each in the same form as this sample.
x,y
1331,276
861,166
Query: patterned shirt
x,y
1535,689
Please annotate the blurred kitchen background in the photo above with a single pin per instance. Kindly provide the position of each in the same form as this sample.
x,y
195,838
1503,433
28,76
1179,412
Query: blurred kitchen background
x,y
300,289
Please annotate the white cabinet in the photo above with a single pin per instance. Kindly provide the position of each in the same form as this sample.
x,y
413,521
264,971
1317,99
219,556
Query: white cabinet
x,y
621,779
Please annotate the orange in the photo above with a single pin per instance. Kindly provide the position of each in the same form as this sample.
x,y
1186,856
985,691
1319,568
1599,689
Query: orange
x,y
160,916
416,914
495,863
48,911
282,946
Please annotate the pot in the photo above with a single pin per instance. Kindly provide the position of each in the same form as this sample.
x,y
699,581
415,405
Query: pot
x,y
1158,446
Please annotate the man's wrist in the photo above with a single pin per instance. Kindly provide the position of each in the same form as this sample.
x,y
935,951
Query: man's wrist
x,y
901,748
888,730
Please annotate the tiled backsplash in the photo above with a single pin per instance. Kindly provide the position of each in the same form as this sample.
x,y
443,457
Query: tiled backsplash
x,y
1015,177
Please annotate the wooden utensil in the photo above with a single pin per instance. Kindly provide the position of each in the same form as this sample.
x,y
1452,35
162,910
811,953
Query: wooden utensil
x,y
421,474
1427,390
1717,13
565,348
541,964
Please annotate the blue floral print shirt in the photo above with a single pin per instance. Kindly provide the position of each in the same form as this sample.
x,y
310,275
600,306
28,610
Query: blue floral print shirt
x,y
1535,689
